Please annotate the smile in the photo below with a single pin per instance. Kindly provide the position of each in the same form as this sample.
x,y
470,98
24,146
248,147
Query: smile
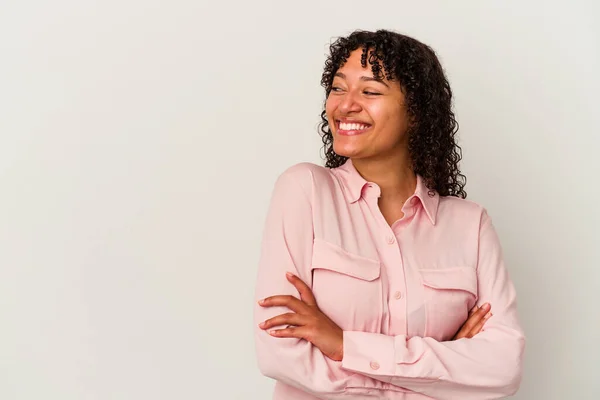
x,y
351,128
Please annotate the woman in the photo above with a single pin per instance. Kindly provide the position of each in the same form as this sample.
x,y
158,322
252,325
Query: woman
x,y
371,264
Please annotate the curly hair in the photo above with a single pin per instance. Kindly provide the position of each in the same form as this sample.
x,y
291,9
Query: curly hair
x,y
434,153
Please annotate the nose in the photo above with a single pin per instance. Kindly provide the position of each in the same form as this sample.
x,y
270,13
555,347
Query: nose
x,y
349,103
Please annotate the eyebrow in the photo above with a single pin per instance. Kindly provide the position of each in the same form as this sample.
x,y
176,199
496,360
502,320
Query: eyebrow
x,y
363,78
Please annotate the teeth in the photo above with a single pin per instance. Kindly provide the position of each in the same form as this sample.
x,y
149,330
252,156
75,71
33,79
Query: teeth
x,y
352,127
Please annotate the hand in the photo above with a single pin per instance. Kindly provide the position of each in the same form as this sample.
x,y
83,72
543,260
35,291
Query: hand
x,y
309,323
475,322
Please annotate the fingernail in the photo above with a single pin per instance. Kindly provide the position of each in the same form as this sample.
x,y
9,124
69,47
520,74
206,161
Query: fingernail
x,y
486,306
262,324
289,274
261,301
273,333
487,315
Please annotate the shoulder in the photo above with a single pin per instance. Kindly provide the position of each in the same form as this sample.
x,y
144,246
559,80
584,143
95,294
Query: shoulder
x,y
305,176
305,170
462,209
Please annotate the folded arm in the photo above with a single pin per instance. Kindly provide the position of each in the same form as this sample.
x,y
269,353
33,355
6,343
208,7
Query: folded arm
x,y
487,366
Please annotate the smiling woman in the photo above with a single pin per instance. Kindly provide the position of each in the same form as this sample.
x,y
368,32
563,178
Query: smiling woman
x,y
376,277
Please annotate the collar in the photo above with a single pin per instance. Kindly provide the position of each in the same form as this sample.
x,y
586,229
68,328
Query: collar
x,y
353,184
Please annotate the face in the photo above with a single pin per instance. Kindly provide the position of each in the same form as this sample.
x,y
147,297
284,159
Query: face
x,y
367,117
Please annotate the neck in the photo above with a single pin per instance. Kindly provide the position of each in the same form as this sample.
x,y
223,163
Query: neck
x,y
395,177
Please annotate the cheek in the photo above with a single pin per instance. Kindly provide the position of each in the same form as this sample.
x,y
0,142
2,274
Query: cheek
x,y
394,121
329,108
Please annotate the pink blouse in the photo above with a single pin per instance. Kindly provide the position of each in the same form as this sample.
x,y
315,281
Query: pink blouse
x,y
399,293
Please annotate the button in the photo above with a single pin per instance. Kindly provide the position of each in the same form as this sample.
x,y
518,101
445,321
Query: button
x,y
391,239
398,295
374,365
414,201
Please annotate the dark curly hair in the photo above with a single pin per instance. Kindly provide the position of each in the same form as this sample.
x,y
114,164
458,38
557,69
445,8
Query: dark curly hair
x,y
434,153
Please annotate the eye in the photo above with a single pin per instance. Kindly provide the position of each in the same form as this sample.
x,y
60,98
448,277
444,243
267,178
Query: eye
x,y
372,93
336,89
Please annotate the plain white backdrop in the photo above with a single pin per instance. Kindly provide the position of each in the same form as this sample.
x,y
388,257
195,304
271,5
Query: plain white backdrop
x,y
139,142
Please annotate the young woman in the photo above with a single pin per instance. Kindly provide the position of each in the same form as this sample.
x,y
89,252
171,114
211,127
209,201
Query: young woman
x,y
377,277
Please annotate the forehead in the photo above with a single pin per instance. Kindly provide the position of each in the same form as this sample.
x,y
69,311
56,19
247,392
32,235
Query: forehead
x,y
353,65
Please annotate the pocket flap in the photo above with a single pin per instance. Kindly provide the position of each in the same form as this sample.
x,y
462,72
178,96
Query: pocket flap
x,y
459,278
331,257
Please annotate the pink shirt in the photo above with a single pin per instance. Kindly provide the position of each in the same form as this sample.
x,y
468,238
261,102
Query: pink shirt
x,y
399,293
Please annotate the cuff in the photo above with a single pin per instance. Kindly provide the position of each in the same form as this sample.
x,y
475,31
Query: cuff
x,y
369,353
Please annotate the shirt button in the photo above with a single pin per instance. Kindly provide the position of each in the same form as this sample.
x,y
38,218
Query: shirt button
x,y
414,201
391,240
398,295
374,365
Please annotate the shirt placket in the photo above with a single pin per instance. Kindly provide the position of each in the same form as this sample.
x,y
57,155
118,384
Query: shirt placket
x,y
415,314
393,277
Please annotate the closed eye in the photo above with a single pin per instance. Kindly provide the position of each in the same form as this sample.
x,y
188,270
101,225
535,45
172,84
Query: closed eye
x,y
372,93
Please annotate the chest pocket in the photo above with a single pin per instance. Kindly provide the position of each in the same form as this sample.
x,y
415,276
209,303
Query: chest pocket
x,y
449,295
347,287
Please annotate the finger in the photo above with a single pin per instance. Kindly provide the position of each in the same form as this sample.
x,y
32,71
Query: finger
x,y
479,326
284,319
287,333
476,317
306,293
463,332
460,334
473,310
288,301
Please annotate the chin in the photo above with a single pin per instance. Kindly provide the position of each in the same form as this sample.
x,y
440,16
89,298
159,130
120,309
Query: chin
x,y
346,152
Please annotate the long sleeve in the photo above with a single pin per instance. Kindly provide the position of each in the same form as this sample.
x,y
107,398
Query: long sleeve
x,y
487,366
287,246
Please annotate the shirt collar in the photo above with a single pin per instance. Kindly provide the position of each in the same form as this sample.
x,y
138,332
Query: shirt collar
x,y
354,184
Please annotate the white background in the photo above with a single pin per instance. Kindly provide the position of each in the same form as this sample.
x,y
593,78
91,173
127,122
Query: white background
x,y
139,142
